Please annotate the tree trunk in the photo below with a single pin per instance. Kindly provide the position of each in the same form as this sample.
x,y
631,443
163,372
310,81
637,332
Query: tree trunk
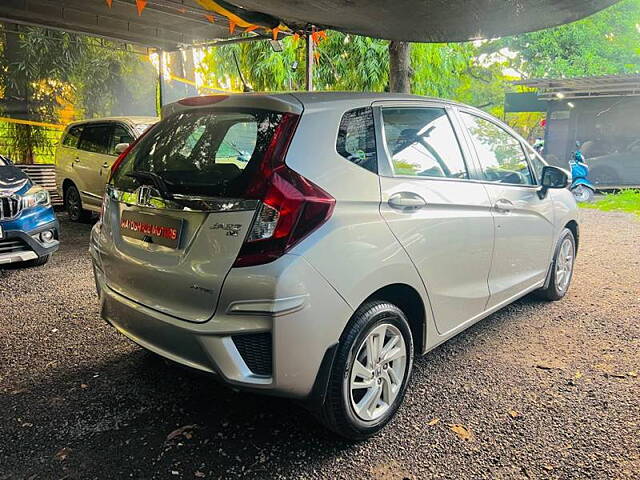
x,y
399,67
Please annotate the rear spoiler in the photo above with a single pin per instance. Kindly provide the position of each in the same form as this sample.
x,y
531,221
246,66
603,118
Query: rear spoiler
x,y
285,103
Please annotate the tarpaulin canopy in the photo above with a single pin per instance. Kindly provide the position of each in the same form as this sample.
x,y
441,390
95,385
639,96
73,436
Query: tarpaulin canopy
x,y
172,24
162,24
429,20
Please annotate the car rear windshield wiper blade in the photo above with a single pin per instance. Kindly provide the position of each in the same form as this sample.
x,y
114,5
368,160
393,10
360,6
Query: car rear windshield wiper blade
x,y
155,179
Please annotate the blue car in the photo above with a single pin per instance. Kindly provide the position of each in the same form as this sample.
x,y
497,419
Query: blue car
x,y
29,230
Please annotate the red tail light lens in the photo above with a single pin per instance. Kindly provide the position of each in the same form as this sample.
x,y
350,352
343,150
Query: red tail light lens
x,y
292,206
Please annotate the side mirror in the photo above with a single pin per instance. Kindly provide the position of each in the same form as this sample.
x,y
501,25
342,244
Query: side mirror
x,y
552,177
121,147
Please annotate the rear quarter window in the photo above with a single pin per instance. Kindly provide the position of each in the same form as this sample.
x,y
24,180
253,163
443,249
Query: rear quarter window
x,y
357,140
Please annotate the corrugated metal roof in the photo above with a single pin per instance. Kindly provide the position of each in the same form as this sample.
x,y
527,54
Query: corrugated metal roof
x,y
584,87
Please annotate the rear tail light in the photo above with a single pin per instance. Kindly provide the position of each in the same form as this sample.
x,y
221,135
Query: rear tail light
x,y
292,206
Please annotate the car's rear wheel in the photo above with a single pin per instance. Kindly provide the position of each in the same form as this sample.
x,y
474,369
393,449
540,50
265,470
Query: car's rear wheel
x,y
371,371
73,205
562,268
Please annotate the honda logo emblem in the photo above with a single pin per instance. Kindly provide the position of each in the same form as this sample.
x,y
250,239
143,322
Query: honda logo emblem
x,y
144,195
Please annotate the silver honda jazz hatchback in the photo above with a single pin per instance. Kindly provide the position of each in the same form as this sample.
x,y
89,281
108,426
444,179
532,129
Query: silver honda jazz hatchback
x,y
310,244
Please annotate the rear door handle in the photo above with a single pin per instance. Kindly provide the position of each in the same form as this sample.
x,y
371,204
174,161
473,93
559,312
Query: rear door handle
x,y
106,165
407,201
503,205
76,160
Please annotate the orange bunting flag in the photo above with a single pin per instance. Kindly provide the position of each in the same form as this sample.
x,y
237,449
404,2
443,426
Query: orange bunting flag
x,y
211,18
275,33
141,5
251,28
109,3
317,56
232,26
296,37
317,36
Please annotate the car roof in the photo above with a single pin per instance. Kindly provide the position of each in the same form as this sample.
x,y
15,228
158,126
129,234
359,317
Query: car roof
x,y
296,101
307,98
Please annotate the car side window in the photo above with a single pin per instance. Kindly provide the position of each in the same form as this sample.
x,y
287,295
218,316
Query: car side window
x,y
96,138
536,163
357,139
72,137
120,135
422,142
501,156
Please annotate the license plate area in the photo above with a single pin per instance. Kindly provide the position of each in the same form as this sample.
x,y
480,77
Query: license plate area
x,y
152,228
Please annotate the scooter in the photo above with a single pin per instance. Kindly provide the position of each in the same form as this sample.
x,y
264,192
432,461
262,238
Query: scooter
x,y
582,189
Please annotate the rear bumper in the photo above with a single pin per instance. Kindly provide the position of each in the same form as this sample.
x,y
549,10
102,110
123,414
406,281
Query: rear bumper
x,y
33,246
300,313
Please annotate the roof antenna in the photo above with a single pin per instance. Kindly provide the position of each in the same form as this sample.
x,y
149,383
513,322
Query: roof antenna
x,y
245,87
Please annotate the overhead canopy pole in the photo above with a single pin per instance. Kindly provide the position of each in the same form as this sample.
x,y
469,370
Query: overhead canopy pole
x,y
160,80
309,65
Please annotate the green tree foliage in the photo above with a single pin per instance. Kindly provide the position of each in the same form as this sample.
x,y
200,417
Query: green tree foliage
x,y
42,69
111,80
442,69
36,69
343,62
605,43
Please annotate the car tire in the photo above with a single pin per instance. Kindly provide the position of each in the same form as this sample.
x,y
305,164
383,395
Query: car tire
x,y
351,409
73,205
561,268
37,262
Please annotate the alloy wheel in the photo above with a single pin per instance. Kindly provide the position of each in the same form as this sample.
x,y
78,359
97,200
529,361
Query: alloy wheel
x,y
564,265
73,203
378,372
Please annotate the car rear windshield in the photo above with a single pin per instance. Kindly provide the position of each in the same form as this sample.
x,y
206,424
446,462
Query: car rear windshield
x,y
205,153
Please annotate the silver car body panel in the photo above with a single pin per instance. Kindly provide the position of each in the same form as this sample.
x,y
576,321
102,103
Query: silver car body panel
x,y
446,253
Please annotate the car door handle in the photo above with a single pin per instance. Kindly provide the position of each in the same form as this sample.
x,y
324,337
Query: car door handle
x,y
76,160
503,205
407,201
106,165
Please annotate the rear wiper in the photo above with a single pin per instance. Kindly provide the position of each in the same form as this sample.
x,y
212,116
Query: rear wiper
x,y
155,179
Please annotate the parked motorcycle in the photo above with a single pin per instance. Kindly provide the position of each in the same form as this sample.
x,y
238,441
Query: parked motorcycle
x,y
582,189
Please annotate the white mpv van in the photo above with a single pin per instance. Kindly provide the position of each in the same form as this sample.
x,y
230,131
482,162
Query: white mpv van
x,y
84,158
309,244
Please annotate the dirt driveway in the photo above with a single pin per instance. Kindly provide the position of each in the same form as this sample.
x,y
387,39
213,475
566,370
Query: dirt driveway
x,y
536,390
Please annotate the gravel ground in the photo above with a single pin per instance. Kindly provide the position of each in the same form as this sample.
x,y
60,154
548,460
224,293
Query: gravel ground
x,y
537,390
